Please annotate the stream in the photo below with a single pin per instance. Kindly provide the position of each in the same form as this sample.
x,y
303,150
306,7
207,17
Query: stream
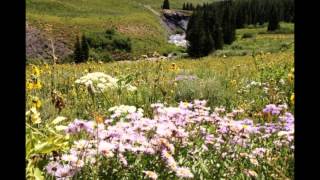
x,y
178,40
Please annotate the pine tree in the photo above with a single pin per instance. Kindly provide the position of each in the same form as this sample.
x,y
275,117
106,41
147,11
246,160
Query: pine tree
x,y
195,35
228,24
84,49
191,7
216,31
208,44
273,18
184,6
77,51
166,4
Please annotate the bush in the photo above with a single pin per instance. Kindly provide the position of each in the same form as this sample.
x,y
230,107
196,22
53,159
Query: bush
x,y
100,56
122,44
236,47
109,40
247,35
278,31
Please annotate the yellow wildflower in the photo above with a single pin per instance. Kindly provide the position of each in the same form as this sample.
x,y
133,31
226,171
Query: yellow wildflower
x,y
33,85
47,66
290,77
292,98
36,102
173,67
34,115
98,118
29,86
37,85
35,71
233,82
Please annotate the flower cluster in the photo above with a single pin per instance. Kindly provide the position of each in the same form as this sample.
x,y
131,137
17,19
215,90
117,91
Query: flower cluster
x,y
34,81
98,82
126,112
33,115
169,129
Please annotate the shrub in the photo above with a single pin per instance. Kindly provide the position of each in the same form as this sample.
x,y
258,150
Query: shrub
x,y
247,35
109,41
278,31
236,47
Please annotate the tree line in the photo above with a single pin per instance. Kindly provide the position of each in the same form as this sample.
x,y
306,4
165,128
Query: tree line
x,y
213,25
188,6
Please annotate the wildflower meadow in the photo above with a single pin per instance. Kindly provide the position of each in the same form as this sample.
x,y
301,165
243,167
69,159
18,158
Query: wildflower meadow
x,y
211,118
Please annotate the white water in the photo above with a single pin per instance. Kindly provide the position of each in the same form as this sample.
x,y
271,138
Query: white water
x,y
178,40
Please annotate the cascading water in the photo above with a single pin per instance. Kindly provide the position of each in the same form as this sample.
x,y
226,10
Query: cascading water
x,y
177,21
178,40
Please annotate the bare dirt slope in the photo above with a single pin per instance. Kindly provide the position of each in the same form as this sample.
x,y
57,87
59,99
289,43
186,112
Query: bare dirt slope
x,y
39,46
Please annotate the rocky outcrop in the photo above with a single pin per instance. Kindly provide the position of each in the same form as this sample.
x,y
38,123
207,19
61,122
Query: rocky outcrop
x,y
176,19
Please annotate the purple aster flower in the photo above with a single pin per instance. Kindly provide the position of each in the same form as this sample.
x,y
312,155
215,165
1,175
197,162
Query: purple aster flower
x,y
52,167
64,171
259,152
273,109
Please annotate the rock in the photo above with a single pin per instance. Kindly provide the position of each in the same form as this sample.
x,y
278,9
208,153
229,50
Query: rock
x,y
144,56
155,54
162,57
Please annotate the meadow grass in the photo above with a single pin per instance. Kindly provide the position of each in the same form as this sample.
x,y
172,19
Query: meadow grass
x,y
218,80
261,40
249,82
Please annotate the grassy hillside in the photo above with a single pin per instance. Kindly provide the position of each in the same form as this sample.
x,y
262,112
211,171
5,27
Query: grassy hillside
x,y
66,18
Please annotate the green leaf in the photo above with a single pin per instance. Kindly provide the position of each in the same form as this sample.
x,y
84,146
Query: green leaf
x,y
204,167
38,174
44,148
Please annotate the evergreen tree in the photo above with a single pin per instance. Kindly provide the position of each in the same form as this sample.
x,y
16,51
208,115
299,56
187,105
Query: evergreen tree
x,y
228,24
84,49
208,42
191,7
184,6
216,31
195,35
77,51
166,4
273,18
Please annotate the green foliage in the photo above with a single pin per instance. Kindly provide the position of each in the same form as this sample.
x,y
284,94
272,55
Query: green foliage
x,y
42,140
228,23
166,4
77,51
81,50
210,26
274,18
109,40
247,35
84,48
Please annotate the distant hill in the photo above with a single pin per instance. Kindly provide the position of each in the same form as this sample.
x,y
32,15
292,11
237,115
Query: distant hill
x,y
64,19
